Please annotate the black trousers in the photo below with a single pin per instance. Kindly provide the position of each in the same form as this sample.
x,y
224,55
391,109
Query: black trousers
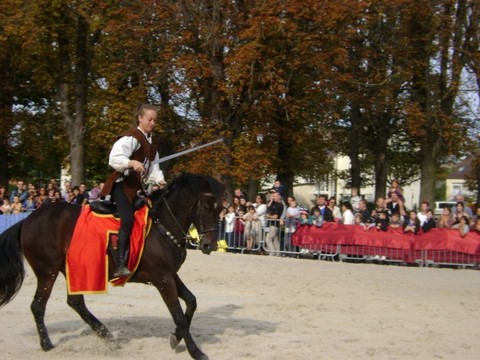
x,y
125,210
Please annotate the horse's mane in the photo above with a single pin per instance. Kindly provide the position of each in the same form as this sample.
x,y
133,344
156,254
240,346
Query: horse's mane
x,y
194,184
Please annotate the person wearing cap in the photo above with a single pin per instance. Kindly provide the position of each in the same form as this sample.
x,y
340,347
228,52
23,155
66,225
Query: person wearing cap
x,y
133,158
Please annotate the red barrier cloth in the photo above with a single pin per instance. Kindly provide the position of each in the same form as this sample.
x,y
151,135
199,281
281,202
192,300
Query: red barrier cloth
x,y
87,259
435,239
449,239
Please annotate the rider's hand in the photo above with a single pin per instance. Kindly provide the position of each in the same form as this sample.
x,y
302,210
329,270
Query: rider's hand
x,y
137,166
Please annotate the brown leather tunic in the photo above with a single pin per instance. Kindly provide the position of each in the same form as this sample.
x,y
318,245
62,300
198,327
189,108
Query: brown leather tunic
x,y
132,182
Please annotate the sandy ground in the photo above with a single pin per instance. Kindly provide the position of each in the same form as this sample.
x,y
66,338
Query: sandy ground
x,y
261,307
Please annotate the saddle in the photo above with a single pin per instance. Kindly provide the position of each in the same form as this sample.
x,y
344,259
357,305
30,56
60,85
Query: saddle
x,y
105,207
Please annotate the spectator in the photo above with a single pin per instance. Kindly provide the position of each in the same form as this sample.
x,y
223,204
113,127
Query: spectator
x,y
42,196
230,225
274,212
20,191
475,218
464,226
396,205
250,220
239,228
476,227
17,206
411,224
380,206
316,218
355,199
381,223
3,193
460,211
429,223
446,220
395,221
366,216
321,203
397,189
84,194
31,203
6,208
261,211
67,185
306,218
466,209
280,188
291,216
77,197
94,193
359,221
332,205
347,213
422,214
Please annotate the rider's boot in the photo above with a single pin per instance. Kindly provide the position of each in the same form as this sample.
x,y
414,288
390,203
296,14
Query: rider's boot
x,y
122,245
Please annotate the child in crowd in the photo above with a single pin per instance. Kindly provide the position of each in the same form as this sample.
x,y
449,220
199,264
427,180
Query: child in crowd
x,y
355,200
305,218
411,224
381,222
429,223
395,188
291,216
229,225
464,226
359,220
317,218
6,207
17,206
239,228
250,219
395,221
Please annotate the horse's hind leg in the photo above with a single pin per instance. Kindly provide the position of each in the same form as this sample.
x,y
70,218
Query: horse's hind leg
x,y
191,305
39,303
77,303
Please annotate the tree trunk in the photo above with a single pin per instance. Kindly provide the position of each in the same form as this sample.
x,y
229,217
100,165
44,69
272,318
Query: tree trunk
x,y
354,149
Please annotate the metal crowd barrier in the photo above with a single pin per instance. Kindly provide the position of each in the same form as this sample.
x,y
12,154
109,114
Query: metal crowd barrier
x,y
355,253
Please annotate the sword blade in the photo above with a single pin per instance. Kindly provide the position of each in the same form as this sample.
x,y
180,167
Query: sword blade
x,y
187,151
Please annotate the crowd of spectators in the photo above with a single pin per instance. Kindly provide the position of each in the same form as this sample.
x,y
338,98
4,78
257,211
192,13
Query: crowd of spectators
x,y
29,197
281,212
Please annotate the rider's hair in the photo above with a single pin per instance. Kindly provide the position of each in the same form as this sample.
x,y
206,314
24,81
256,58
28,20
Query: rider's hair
x,y
141,110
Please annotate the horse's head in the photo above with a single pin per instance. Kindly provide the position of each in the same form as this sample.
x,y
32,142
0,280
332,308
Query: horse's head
x,y
193,199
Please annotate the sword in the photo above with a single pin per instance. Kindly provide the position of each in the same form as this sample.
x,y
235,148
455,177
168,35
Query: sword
x,y
184,152
173,156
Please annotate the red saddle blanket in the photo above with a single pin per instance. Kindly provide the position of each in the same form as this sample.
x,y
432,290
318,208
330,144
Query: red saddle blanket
x,y
87,257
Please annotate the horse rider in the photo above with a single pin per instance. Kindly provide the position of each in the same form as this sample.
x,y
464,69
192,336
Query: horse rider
x,y
133,158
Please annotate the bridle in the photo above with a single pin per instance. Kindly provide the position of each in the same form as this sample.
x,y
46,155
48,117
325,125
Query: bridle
x,y
186,237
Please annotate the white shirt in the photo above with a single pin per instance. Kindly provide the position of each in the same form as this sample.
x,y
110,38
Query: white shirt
x,y
261,210
348,218
123,149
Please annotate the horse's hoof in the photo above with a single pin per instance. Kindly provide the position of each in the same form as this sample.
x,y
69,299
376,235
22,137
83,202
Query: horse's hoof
x,y
103,333
46,345
173,341
201,356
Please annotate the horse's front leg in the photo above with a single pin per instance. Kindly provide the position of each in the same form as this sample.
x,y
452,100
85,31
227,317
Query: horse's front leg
x,y
168,289
191,305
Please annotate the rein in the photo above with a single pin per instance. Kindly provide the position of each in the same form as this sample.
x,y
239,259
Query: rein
x,y
186,237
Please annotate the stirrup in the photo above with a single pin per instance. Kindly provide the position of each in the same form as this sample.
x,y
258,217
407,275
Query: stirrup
x,y
122,271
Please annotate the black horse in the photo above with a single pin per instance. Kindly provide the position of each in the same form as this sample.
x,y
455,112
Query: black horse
x,y
44,237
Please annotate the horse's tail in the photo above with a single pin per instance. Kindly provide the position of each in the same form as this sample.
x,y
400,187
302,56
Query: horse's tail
x,y
12,271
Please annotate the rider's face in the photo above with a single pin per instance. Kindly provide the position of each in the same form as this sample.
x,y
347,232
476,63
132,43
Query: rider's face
x,y
146,122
